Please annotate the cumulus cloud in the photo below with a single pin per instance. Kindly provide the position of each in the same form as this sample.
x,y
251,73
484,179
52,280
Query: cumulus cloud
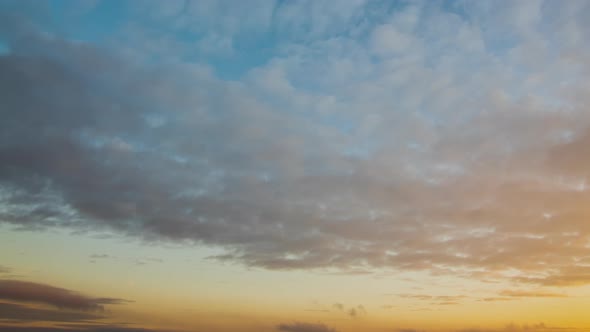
x,y
24,291
417,140
304,327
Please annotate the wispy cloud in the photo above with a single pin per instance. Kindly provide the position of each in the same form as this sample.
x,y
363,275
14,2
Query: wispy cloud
x,y
435,299
535,327
100,256
530,293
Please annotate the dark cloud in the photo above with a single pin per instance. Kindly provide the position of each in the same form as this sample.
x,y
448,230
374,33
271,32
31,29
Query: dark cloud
x,y
96,140
24,291
22,313
78,328
304,327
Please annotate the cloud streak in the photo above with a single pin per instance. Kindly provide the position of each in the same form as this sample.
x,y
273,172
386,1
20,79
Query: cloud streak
x,y
525,293
24,291
21,313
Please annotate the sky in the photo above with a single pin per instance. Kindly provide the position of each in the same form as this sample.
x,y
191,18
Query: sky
x,y
294,166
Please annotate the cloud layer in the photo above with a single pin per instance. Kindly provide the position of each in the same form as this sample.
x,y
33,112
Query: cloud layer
x,y
447,139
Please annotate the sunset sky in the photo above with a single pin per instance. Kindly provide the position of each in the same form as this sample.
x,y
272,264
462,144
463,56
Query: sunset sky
x,y
294,166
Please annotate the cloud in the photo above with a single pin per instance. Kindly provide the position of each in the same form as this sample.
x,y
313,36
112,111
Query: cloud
x,y
512,327
24,291
368,138
100,256
338,306
497,299
147,260
436,299
357,311
304,327
4,269
525,293
78,328
353,312
22,313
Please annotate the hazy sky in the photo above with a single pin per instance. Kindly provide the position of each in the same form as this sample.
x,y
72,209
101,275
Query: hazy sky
x,y
294,166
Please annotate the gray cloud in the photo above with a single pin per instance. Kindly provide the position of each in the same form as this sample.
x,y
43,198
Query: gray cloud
x,y
304,327
438,157
100,256
78,328
353,312
21,313
357,311
15,290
